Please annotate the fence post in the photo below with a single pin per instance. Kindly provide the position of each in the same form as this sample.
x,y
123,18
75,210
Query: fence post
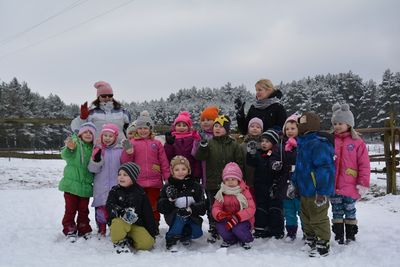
x,y
390,155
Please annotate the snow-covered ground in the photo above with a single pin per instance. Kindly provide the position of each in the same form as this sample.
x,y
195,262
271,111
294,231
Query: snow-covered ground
x,y
30,230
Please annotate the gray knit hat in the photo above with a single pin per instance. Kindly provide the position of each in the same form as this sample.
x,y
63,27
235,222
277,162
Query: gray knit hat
x,y
271,135
132,169
144,120
342,114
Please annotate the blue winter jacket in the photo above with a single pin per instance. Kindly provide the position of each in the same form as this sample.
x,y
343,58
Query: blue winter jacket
x,y
315,168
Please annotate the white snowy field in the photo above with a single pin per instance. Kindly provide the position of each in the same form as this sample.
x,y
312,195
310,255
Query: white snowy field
x,y
30,230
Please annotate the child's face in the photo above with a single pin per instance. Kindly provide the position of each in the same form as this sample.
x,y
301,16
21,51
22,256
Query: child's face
x,y
130,134
180,171
218,130
206,124
123,179
266,144
231,182
108,138
181,127
87,137
291,129
143,132
263,93
255,129
340,127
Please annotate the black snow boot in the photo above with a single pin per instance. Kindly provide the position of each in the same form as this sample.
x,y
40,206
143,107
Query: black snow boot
x,y
351,231
338,229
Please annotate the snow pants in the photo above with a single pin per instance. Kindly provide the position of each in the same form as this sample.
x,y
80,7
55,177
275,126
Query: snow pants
x,y
153,194
184,229
241,232
343,208
119,230
76,205
315,219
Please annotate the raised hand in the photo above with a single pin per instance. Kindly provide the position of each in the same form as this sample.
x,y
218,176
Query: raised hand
x,y
70,143
84,111
252,147
169,138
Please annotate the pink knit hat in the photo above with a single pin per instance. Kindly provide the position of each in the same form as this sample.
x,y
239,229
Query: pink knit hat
x,y
184,116
103,88
257,121
232,170
87,126
110,127
292,118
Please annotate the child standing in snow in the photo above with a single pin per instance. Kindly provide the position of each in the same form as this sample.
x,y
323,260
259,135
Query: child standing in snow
x,y
149,154
106,159
217,151
314,178
352,173
131,217
182,203
77,182
180,141
234,208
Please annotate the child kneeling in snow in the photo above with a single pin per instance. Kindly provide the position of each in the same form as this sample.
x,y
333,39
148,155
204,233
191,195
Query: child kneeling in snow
x,y
130,213
234,208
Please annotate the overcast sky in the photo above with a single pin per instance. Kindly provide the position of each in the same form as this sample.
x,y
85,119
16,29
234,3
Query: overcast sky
x,y
148,49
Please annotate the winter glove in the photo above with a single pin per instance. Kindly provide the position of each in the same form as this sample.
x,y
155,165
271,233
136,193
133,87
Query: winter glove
x,y
277,165
126,144
97,156
185,212
320,200
169,138
222,215
251,147
70,143
84,111
172,192
273,191
231,222
239,107
362,190
129,216
291,191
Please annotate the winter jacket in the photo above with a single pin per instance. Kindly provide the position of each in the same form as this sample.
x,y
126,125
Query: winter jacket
x,y
133,196
231,205
106,173
183,147
274,116
77,179
149,154
315,169
248,173
352,165
219,151
185,188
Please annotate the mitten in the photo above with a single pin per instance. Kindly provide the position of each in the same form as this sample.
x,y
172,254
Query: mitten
x,y
97,156
291,191
239,107
84,111
129,216
277,165
320,200
231,222
251,147
222,215
172,192
185,212
362,190
169,138
126,144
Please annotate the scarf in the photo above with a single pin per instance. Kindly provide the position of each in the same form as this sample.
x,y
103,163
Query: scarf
x,y
107,106
290,144
264,103
236,191
180,135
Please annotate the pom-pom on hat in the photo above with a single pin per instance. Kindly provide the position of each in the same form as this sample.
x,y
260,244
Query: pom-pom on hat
x,y
256,121
232,170
210,113
271,135
144,120
103,88
180,160
185,117
342,114
224,121
132,169
87,126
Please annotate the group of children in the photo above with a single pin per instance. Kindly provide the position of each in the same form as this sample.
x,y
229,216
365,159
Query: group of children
x,y
248,190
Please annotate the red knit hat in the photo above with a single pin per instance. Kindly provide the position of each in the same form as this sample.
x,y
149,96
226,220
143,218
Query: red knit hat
x,y
232,170
184,116
103,88
210,112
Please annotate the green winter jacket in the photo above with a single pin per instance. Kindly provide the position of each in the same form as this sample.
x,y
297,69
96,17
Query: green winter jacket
x,y
77,179
220,151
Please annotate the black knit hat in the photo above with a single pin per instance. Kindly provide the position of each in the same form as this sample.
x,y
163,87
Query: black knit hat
x,y
271,135
132,169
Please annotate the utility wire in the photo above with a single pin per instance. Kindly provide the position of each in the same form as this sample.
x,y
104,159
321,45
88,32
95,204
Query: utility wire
x,y
67,30
17,35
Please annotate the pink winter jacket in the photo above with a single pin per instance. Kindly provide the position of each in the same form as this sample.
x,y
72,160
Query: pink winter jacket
x,y
352,165
231,205
149,154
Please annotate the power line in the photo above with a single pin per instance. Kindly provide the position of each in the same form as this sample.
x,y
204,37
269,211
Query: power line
x,y
17,35
67,30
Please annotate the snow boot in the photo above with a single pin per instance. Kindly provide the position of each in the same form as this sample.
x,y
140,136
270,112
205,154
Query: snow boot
x,y
172,244
338,229
214,236
351,231
122,247
71,237
309,243
246,245
321,249
291,233
225,244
